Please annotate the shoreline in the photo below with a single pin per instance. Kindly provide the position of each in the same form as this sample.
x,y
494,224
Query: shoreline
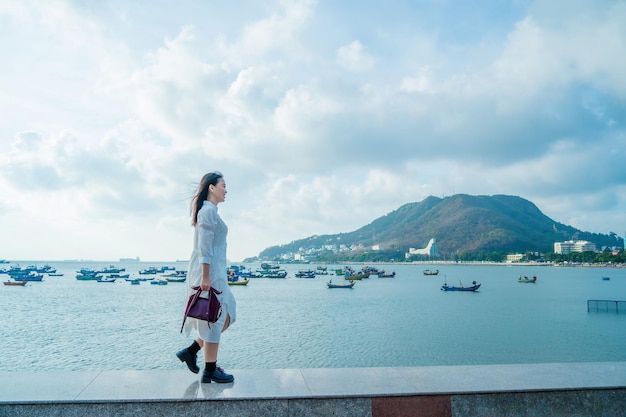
x,y
464,263
480,263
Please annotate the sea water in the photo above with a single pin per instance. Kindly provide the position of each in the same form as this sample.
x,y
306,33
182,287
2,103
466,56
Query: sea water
x,y
66,324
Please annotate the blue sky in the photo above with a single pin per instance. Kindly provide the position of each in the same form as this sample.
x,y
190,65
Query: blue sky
x,y
322,115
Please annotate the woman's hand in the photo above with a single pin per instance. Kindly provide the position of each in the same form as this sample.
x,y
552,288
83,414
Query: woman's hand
x,y
205,284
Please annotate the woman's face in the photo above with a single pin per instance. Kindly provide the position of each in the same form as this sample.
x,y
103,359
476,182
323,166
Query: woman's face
x,y
217,192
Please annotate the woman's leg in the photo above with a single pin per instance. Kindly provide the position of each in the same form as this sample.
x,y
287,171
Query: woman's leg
x,y
210,352
188,355
211,371
210,349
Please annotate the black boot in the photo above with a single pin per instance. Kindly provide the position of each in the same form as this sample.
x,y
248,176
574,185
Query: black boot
x,y
214,373
188,355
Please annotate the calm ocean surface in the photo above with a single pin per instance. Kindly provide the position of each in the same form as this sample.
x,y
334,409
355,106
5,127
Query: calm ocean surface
x,y
66,324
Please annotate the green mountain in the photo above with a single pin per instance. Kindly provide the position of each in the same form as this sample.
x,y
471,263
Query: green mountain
x,y
460,224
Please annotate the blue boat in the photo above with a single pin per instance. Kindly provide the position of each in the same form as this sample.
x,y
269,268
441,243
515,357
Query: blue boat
x,y
19,274
87,276
265,265
273,273
29,277
112,270
305,274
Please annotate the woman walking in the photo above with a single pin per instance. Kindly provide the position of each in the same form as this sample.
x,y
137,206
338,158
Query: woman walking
x,y
207,268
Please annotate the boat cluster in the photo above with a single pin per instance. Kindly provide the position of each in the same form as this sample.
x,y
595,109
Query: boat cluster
x,y
236,273
352,275
31,273
241,275
112,274
367,271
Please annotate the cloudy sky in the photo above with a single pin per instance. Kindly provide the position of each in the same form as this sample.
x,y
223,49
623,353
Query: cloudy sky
x,y
322,115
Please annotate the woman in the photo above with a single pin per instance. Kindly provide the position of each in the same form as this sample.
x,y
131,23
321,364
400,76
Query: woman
x,y
207,268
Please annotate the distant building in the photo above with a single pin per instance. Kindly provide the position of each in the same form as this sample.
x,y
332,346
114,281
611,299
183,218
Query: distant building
x,y
570,246
516,257
429,250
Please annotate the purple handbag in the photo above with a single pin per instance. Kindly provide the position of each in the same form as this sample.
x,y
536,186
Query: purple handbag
x,y
207,309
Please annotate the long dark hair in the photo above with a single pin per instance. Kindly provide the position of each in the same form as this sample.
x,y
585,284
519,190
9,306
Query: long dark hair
x,y
203,192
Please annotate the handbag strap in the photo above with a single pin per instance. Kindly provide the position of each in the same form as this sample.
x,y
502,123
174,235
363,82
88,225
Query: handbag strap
x,y
190,302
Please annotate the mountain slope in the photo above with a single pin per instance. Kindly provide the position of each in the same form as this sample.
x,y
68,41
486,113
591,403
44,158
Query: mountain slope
x,y
461,224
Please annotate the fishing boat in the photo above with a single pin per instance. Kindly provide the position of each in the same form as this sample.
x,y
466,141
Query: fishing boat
x,y
606,278
31,277
118,276
305,274
133,281
369,270
281,273
527,280
430,272
39,269
240,271
176,274
321,270
176,279
15,283
105,279
356,277
112,270
55,275
269,266
87,277
24,274
158,282
141,278
239,282
447,287
330,284
382,274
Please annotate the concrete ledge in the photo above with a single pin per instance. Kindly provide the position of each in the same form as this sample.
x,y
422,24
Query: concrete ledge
x,y
559,389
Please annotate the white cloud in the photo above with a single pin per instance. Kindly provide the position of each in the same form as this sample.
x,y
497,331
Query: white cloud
x,y
353,57
421,83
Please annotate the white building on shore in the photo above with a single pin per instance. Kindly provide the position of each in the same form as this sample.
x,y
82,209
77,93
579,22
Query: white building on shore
x,y
570,246
429,250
